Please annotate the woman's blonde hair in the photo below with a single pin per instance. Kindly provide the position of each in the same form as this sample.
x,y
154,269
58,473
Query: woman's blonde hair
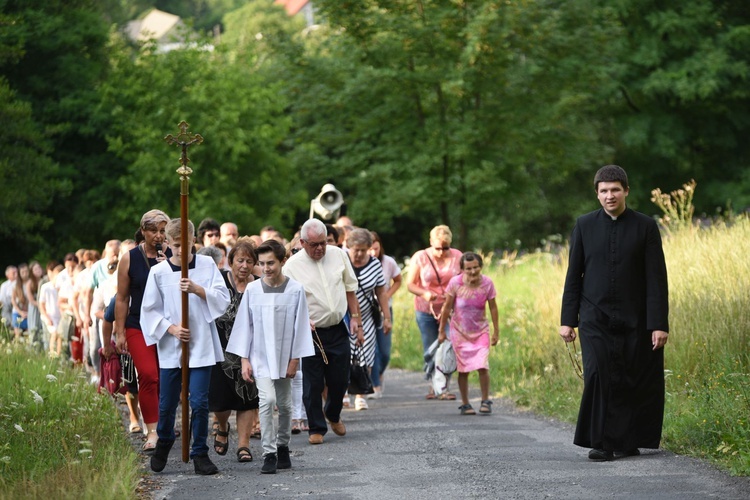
x,y
153,218
441,233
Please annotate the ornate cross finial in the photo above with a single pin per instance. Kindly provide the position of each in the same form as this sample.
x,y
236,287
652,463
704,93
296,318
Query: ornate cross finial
x,y
184,139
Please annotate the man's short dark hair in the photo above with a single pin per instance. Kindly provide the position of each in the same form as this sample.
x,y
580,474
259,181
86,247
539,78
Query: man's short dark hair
x,y
274,247
206,225
611,173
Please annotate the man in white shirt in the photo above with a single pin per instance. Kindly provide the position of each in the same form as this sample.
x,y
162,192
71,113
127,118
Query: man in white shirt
x,y
330,285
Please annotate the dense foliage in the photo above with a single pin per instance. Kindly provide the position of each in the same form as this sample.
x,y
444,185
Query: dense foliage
x,y
488,115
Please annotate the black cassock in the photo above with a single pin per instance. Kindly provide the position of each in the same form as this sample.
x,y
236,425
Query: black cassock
x,y
616,294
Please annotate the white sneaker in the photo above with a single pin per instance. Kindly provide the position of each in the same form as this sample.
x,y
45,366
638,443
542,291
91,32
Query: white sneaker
x,y
376,395
360,403
347,401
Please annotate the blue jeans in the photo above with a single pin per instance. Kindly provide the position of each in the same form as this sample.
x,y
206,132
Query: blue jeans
x,y
428,327
19,322
170,385
382,354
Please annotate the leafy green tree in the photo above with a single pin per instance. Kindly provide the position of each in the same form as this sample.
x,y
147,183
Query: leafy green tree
x,y
29,179
479,114
239,173
52,55
685,100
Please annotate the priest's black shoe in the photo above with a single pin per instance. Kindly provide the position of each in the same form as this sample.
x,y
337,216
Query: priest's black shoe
x,y
204,466
601,455
161,453
284,461
269,464
627,453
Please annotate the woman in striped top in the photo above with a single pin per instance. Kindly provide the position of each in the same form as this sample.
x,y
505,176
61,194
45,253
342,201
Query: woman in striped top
x,y
371,295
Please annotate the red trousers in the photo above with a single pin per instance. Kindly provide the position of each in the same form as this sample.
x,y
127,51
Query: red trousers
x,y
146,362
76,347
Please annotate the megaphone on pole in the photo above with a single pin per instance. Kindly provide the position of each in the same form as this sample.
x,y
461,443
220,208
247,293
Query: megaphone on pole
x,y
327,203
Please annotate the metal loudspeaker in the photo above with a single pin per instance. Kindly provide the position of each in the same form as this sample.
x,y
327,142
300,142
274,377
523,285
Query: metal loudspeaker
x,y
327,203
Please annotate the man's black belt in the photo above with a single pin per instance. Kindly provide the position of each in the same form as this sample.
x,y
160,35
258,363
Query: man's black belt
x,y
325,329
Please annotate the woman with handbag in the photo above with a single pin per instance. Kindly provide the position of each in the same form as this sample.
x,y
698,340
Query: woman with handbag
x,y
466,298
429,273
371,296
132,274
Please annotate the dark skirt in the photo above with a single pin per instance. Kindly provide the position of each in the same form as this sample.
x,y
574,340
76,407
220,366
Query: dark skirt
x,y
228,390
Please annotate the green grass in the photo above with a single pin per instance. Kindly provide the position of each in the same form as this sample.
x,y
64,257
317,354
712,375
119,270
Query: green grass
x,y
59,438
707,357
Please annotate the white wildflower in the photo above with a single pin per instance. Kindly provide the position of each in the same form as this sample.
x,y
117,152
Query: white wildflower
x,y
18,427
51,378
5,459
85,451
37,398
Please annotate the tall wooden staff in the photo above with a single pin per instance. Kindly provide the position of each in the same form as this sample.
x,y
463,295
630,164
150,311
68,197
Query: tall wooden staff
x,y
184,140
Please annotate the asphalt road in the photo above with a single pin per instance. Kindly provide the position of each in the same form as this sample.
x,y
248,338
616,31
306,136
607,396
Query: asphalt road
x,y
405,447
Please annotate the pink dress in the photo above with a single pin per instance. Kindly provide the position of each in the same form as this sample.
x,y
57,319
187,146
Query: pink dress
x,y
470,330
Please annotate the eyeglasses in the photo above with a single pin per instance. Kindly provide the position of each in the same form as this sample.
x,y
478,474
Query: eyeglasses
x,y
212,234
320,244
295,250
442,249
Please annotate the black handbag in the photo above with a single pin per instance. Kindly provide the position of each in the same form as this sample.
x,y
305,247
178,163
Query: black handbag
x,y
359,378
377,313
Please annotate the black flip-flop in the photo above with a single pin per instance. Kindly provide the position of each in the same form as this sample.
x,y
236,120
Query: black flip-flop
x,y
221,448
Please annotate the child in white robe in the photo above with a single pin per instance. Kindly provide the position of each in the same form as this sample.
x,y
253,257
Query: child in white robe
x,y
271,333
161,320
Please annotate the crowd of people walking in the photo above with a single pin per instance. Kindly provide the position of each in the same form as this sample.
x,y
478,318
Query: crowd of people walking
x,y
279,326
120,303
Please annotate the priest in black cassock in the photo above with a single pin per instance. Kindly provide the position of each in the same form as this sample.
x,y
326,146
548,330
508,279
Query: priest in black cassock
x,y
616,295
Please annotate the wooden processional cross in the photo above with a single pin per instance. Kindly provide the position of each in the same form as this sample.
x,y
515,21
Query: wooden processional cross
x,y
184,139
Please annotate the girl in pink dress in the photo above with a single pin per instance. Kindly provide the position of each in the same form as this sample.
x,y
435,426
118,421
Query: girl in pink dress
x,y
466,296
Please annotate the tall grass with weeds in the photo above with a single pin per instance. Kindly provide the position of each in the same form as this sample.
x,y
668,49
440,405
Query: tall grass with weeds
x,y
59,438
707,358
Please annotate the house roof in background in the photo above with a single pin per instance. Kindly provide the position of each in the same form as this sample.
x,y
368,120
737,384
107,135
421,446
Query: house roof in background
x,y
292,6
154,26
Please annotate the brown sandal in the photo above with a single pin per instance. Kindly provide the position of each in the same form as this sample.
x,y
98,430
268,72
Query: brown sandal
x,y
447,396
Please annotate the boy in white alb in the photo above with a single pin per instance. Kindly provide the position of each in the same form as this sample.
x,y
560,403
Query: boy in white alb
x,y
271,333
161,319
